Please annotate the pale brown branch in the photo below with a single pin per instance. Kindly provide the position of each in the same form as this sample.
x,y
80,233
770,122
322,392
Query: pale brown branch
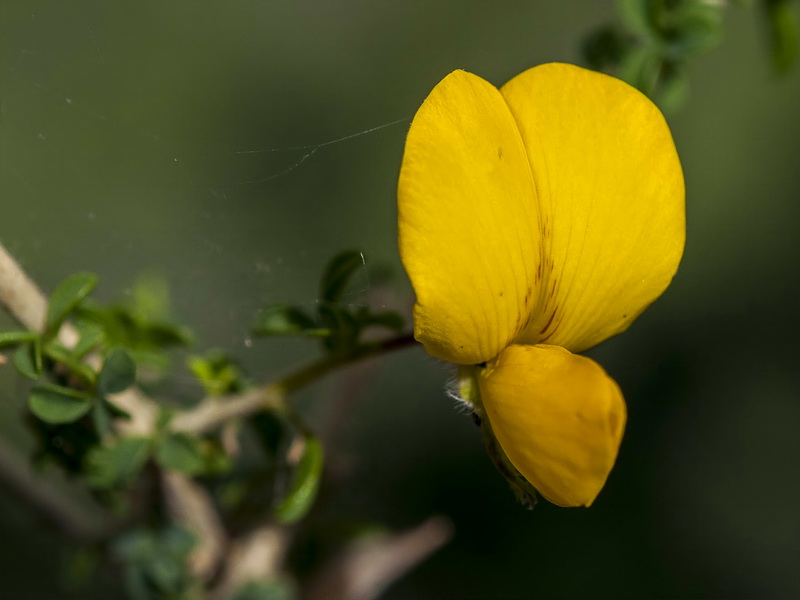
x,y
367,567
257,556
25,301
191,506
20,295
214,412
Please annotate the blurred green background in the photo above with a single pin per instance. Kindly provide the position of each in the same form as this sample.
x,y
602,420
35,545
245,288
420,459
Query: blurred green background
x,y
158,135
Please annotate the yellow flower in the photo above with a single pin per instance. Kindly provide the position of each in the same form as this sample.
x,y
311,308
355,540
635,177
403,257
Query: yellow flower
x,y
535,221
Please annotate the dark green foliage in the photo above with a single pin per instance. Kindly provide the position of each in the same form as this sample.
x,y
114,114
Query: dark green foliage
x,y
65,445
782,22
91,337
69,363
56,404
67,295
218,373
338,325
182,452
117,374
117,464
266,590
657,40
338,273
27,361
283,319
155,563
146,340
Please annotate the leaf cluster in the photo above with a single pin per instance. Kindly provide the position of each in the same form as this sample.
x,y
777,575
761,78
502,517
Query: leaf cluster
x,y
339,325
88,353
155,566
657,39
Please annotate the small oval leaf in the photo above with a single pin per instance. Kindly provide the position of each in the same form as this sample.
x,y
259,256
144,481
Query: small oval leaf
x,y
66,297
304,486
60,354
118,373
337,274
283,319
91,337
24,361
117,464
56,404
182,452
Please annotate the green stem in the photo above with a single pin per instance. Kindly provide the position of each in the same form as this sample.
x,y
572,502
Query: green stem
x,y
310,373
213,412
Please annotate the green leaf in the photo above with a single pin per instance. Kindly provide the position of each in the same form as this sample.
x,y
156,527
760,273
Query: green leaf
x,y
101,417
604,48
13,338
337,274
304,485
60,354
66,297
344,328
182,452
674,90
695,29
24,361
117,464
91,336
155,563
783,29
638,16
164,335
640,68
56,404
118,373
266,590
283,319
217,372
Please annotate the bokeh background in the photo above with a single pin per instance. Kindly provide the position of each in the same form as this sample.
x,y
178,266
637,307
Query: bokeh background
x,y
159,136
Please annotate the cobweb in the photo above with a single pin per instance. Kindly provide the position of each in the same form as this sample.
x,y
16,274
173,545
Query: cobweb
x,y
121,164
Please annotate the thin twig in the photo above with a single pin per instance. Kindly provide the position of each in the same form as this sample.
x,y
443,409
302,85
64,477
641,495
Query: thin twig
x,y
367,567
20,295
258,555
25,301
214,412
192,507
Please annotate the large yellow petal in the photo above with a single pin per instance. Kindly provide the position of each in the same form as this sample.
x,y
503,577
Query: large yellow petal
x,y
558,417
611,201
469,233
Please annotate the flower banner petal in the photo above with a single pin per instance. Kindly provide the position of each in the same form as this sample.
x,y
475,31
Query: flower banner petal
x,y
468,225
558,417
611,196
